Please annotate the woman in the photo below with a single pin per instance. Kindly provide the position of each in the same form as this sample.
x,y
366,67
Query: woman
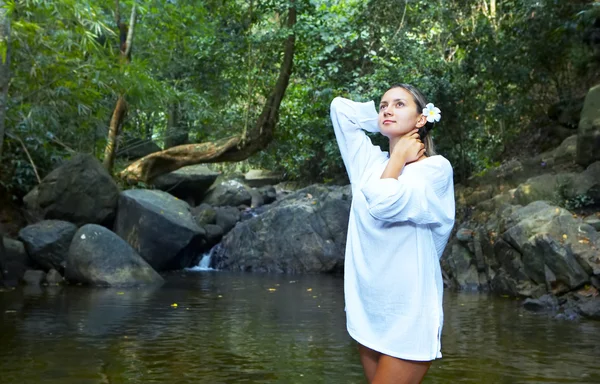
x,y
401,217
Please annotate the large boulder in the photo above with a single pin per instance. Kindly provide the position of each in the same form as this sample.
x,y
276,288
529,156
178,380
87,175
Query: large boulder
x,y
303,233
188,183
459,265
97,256
228,193
204,214
160,228
259,178
13,260
588,132
550,237
548,187
47,242
80,191
564,153
227,217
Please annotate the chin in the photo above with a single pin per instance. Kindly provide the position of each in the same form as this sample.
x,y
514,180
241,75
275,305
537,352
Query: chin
x,y
391,132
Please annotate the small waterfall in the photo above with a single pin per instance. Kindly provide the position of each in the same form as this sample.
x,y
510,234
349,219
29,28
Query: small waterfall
x,y
204,264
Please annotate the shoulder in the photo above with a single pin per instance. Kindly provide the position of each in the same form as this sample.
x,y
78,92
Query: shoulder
x,y
436,164
438,170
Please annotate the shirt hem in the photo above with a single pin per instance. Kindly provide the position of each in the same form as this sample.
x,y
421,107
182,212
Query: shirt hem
x,y
388,352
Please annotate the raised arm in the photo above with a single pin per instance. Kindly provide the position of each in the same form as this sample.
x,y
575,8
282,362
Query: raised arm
x,y
425,197
349,119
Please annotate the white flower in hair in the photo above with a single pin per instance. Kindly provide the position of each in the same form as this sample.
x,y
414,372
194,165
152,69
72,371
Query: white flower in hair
x,y
432,113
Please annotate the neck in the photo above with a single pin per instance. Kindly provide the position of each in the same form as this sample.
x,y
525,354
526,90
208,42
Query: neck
x,y
394,140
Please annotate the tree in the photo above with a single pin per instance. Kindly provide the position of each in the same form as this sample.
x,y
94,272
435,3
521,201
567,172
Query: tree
x,y
234,148
126,41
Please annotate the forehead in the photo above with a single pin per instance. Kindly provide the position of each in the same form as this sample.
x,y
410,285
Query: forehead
x,y
396,93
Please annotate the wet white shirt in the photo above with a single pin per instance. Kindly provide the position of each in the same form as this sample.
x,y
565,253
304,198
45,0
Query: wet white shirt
x,y
397,231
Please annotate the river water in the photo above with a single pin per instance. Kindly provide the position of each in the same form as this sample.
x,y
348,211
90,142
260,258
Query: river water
x,y
221,327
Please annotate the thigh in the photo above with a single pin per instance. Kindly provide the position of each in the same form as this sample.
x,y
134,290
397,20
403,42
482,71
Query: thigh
x,y
369,359
391,370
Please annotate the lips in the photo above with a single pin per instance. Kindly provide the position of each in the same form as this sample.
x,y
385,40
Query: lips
x,y
388,121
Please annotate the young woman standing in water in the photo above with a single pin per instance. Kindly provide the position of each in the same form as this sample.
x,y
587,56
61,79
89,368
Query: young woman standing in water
x,y
401,217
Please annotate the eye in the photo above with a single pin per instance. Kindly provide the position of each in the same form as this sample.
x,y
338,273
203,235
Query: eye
x,y
400,104
381,107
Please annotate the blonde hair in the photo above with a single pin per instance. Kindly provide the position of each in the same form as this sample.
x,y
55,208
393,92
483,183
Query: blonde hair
x,y
421,102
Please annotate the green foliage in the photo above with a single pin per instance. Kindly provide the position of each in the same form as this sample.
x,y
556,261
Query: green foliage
x,y
203,69
563,197
577,202
491,74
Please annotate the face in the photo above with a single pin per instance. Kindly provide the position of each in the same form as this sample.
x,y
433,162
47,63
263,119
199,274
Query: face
x,y
398,113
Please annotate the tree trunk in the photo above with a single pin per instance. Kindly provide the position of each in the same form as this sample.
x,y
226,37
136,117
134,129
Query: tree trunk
x,y
126,36
113,131
235,148
4,67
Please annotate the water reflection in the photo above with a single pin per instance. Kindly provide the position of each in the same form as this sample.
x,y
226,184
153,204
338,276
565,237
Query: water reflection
x,y
250,328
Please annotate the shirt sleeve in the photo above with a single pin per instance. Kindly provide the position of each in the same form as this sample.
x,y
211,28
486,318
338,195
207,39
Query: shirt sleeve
x,y
349,119
423,198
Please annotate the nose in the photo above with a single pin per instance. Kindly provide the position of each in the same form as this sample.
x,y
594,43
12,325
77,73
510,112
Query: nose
x,y
386,111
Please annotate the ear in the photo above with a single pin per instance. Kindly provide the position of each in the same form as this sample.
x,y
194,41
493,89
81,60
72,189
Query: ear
x,y
421,121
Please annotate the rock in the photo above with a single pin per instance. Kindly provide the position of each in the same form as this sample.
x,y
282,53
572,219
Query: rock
x,y
546,187
587,184
479,194
47,242
228,193
590,307
465,235
15,261
259,178
257,198
510,260
542,304
227,217
303,233
562,154
214,234
268,193
460,266
560,260
187,183
97,256
588,131
593,222
160,228
54,277
34,277
138,148
80,191
548,235
204,214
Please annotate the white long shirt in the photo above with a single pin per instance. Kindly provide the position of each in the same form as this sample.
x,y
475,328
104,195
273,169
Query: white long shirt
x,y
397,231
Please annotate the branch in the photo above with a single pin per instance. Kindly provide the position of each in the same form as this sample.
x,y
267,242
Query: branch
x,y
129,40
117,13
28,156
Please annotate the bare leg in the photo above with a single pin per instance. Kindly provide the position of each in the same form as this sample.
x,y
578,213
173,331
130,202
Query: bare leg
x,y
391,370
369,359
